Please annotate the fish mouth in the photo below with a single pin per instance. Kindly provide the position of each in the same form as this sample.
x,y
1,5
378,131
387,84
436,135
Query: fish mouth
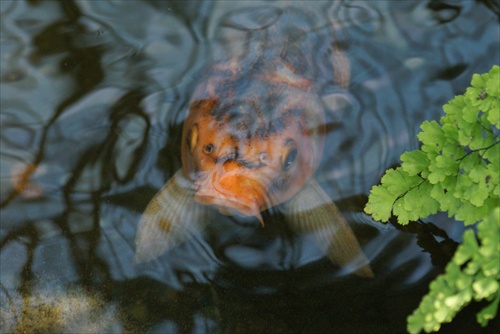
x,y
233,195
233,190
229,206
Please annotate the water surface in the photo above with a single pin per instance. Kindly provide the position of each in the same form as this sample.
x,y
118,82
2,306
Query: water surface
x,y
93,95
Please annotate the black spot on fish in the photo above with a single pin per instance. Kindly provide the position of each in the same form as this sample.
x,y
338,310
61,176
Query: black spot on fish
x,y
235,139
277,125
262,132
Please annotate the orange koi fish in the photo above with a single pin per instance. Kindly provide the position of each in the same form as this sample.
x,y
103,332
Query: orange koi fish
x,y
253,139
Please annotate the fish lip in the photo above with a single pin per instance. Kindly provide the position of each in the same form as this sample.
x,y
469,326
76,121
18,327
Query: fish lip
x,y
228,206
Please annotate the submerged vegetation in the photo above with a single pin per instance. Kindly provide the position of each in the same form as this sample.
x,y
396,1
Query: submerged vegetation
x,y
456,171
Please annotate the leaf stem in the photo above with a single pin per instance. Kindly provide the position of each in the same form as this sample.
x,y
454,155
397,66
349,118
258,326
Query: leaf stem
x,y
477,150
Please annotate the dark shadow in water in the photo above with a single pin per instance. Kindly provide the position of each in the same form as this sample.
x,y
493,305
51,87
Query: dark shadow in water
x,y
430,238
494,5
237,300
83,64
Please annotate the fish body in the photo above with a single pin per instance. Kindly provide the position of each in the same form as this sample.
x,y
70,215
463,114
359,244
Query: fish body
x,y
254,146
253,138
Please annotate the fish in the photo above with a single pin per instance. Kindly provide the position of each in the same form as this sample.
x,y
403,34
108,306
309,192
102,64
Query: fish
x,y
252,140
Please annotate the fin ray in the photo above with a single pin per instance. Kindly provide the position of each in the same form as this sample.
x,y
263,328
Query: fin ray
x,y
312,212
170,217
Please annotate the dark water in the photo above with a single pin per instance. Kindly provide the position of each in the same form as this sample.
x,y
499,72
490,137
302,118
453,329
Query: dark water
x,y
93,94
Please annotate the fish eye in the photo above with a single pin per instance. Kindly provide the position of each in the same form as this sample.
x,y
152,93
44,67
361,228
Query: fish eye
x,y
208,148
289,156
263,157
192,137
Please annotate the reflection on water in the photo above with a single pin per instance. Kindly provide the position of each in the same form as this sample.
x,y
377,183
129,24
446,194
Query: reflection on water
x,y
93,95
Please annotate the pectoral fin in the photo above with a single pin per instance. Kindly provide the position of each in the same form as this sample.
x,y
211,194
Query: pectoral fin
x,y
170,217
312,212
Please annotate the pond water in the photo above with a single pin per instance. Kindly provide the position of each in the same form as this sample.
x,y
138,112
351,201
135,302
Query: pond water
x,y
93,97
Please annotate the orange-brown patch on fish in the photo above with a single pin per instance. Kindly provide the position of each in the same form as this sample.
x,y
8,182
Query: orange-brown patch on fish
x,y
231,191
246,157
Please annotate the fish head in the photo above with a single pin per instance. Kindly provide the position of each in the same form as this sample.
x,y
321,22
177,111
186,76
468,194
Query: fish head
x,y
250,151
